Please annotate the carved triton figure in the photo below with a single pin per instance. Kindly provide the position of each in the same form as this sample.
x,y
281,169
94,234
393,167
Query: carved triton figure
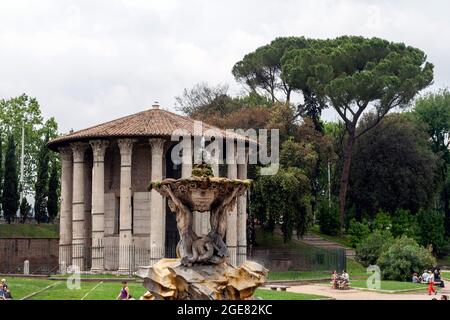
x,y
205,194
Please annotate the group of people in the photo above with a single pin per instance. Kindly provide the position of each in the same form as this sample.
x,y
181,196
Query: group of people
x,y
5,293
431,278
340,281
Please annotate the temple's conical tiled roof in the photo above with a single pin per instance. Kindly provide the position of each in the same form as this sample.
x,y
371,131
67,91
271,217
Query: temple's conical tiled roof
x,y
151,122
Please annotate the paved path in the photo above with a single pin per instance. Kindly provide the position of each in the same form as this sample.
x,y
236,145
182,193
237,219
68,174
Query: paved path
x,y
355,294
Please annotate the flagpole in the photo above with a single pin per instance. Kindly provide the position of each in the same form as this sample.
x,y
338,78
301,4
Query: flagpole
x,y
22,156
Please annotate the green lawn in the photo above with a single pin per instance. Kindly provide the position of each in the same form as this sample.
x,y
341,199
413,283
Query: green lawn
x,y
389,285
27,230
21,287
110,291
298,275
280,295
99,276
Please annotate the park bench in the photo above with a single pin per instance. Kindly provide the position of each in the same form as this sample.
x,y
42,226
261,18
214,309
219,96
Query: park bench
x,y
276,287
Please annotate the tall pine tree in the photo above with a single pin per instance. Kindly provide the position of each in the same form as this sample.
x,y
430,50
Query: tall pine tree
x,y
53,185
10,199
41,186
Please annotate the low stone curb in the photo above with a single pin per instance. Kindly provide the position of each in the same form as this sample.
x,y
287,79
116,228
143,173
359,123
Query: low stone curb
x,y
98,279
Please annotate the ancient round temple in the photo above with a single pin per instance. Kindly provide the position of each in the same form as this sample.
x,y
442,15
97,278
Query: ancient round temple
x,y
109,220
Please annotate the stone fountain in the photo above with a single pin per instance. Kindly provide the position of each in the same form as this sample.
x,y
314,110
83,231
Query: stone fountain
x,y
202,270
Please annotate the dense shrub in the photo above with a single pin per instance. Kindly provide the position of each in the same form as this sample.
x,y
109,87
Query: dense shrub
x,y
431,229
404,257
328,218
404,223
382,221
369,250
357,231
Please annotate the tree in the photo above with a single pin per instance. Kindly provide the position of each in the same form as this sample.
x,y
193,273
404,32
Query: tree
x,y
10,199
283,199
431,229
24,210
24,111
41,185
260,71
53,186
404,257
393,167
354,74
203,98
433,109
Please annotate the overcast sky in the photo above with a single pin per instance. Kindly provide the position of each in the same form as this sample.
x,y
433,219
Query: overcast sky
x,y
92,61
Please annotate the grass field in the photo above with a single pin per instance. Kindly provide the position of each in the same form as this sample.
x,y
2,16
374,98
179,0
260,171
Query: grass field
x,y
298,275
27,230
278,295
23,287
390,285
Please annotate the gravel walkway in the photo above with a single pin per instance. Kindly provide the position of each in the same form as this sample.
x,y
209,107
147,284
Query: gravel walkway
x,y
355,294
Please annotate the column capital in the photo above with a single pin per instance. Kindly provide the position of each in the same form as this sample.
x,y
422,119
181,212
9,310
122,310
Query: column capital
x,y
78,149
65,153
157,145
125,146
99,147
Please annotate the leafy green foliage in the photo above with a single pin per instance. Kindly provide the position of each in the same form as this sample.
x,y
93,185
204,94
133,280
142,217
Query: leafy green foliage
x,y
404,223
433,110
393,167
53,191
357,231
24,210
353,73
431,229
369,249
41,186
10,199
382,222
404,257
328,217
283,199
25,111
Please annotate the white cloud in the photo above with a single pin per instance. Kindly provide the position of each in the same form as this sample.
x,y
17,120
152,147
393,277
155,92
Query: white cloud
x,y
90,61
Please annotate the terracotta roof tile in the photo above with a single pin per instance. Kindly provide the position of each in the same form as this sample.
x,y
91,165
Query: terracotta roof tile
x,y
151,122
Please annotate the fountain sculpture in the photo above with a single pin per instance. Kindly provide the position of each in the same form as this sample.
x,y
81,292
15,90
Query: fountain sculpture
x,y
202,270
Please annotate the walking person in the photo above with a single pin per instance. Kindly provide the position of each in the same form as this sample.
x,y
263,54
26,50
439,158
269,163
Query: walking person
x,y
431,284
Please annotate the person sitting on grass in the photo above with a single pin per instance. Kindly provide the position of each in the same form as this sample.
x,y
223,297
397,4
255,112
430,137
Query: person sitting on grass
x,y
3,293
415,278
334,279
5,285
124,292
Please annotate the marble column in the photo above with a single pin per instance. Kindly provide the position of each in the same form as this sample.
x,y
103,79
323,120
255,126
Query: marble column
x,y
78,221
242,219
231,235
98,202
65,216
157,213
125,218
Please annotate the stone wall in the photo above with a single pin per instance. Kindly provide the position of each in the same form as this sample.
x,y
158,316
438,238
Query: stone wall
x,y
41,252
